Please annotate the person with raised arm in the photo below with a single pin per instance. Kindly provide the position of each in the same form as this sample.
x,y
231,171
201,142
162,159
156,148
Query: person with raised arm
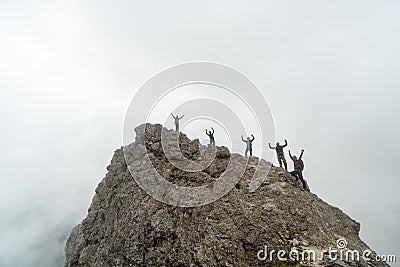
x,y
298,167
177,119
249,145
211,135
279,152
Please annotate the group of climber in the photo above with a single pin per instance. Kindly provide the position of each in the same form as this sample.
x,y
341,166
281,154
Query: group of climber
x,y
298,162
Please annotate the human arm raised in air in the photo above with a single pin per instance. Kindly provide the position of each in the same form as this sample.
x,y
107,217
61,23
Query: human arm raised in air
x,y
243,139
252,138
290,155
301,154
181,116
212,130
173,116
271,147
285,143
207,133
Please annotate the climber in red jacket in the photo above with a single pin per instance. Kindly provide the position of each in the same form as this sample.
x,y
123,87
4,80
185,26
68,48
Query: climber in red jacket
x,y
298,167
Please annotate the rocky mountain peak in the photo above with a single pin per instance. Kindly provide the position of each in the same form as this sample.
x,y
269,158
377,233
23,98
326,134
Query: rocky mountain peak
x,y
125,226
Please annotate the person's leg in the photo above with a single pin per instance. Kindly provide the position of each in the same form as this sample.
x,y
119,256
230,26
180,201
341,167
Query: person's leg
x,y
300,174
280,161
294,174
176,127
251,151
245,153
284,162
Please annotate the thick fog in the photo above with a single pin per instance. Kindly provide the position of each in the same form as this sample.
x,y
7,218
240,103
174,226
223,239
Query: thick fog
x,y
69,69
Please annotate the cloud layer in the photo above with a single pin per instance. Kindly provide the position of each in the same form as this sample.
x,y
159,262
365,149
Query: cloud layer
x,y
68,71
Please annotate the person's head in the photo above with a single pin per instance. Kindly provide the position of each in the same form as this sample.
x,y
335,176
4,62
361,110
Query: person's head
x,y
209,132
294,157
248,138
277,143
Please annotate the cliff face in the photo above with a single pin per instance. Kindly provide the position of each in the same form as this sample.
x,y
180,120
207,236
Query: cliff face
x,y
127,227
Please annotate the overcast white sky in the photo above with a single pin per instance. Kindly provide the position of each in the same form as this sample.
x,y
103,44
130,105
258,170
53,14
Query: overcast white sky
x,y
69,69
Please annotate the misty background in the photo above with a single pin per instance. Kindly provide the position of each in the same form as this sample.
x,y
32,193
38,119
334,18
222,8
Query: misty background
x,y
69,69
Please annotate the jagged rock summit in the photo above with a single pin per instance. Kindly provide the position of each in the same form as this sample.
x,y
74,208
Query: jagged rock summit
x,y
127,227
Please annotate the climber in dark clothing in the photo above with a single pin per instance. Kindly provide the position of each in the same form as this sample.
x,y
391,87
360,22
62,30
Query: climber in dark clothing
x,y
249,145
177,119
298,167
279,152
211,135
